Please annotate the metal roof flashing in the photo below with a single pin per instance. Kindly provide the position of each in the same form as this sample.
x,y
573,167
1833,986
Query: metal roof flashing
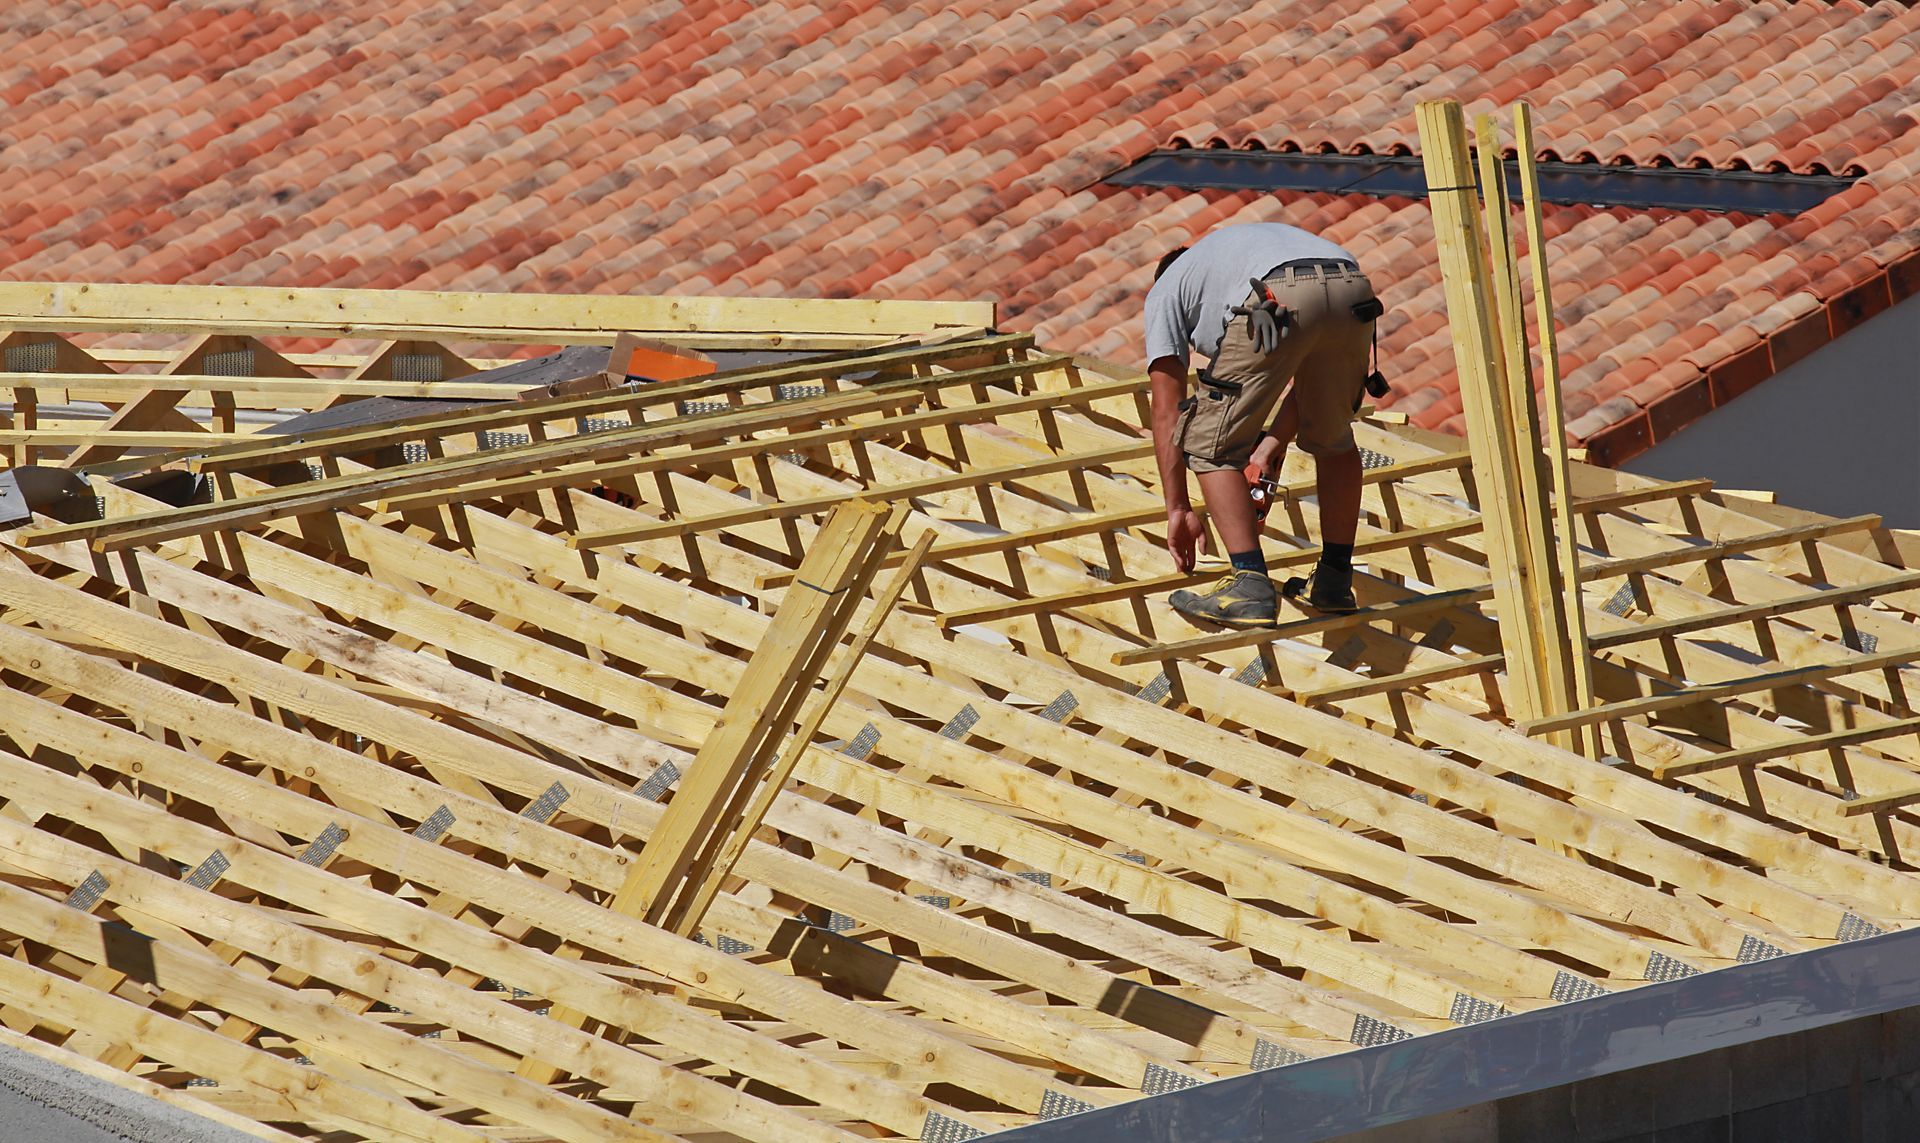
x,y
1353,1091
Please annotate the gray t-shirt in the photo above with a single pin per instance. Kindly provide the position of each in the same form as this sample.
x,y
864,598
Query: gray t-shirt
x,y
1189,304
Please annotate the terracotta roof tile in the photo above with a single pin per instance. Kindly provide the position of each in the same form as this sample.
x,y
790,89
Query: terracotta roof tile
x,y
954,149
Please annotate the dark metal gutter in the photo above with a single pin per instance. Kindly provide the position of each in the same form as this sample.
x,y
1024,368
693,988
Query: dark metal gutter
x,y
1534,1051
1384,176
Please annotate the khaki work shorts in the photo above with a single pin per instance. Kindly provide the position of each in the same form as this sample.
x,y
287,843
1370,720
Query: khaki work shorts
x,y
1324,355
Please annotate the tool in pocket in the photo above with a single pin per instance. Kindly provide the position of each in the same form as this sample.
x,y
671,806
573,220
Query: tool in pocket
x,y
1370,311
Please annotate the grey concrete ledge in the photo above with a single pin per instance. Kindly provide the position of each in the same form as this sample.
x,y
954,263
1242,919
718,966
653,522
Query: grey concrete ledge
x,y
1375,1087
43,1102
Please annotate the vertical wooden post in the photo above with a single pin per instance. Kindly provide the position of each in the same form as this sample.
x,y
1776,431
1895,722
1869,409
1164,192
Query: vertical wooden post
x,y
26,352
1456,222
1522,421
1566,546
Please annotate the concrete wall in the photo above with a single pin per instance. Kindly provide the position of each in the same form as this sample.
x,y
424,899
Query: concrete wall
x,y
1837,432
1854,1082
46,1102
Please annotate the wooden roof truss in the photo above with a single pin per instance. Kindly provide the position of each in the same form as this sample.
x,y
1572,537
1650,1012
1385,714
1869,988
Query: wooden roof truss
x,y
315,799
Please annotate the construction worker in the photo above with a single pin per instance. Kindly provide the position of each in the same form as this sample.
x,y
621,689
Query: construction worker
x,y
1307,319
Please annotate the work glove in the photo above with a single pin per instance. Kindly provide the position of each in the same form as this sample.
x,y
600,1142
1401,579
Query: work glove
x,y
1266,319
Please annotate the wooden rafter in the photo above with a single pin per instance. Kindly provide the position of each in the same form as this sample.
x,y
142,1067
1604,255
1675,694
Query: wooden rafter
x,y
368,761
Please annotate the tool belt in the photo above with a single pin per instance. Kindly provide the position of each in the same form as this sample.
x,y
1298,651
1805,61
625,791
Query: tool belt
x,y
1370,310
1320,265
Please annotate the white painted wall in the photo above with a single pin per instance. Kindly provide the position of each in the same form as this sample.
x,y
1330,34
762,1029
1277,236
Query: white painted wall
x,y
1838,432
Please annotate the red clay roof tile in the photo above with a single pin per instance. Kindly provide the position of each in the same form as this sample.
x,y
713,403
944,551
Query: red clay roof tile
x,y
943,149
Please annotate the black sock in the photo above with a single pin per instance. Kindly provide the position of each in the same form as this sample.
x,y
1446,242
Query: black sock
x,y
1253,561
1336,556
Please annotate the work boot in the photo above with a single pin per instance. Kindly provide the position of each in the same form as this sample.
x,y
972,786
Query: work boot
x,y
1242,599
1328,590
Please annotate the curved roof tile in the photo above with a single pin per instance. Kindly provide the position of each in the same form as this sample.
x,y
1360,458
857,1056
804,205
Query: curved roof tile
x,y
954,149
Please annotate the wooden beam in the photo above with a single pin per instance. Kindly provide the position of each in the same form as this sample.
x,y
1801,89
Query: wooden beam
x,y
149,528
1682,696
103,439
1566,552
281,391
1881,803
1660,629
143,1088
359,440
153,407
675,877
336,362
786,509
1477,353
470,316
1514,407
1462,597
1771,609
1229,640
797,440
1405,680
739,829
304,1091
1785,748
952,550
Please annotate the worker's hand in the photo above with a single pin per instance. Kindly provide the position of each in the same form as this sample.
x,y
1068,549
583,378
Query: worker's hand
x,y
1186,537
1259,490
1266,319
1266,455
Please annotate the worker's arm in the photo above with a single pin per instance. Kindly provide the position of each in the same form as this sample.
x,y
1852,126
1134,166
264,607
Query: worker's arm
x,y
1271,448
1186,532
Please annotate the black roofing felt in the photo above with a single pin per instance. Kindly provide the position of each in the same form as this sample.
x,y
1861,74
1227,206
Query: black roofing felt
x,y
371,411
1400,176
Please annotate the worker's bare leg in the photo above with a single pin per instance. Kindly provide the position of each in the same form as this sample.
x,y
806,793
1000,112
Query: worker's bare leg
x,y
1230,505
1337,484
1228,495
1245,598
1272,448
